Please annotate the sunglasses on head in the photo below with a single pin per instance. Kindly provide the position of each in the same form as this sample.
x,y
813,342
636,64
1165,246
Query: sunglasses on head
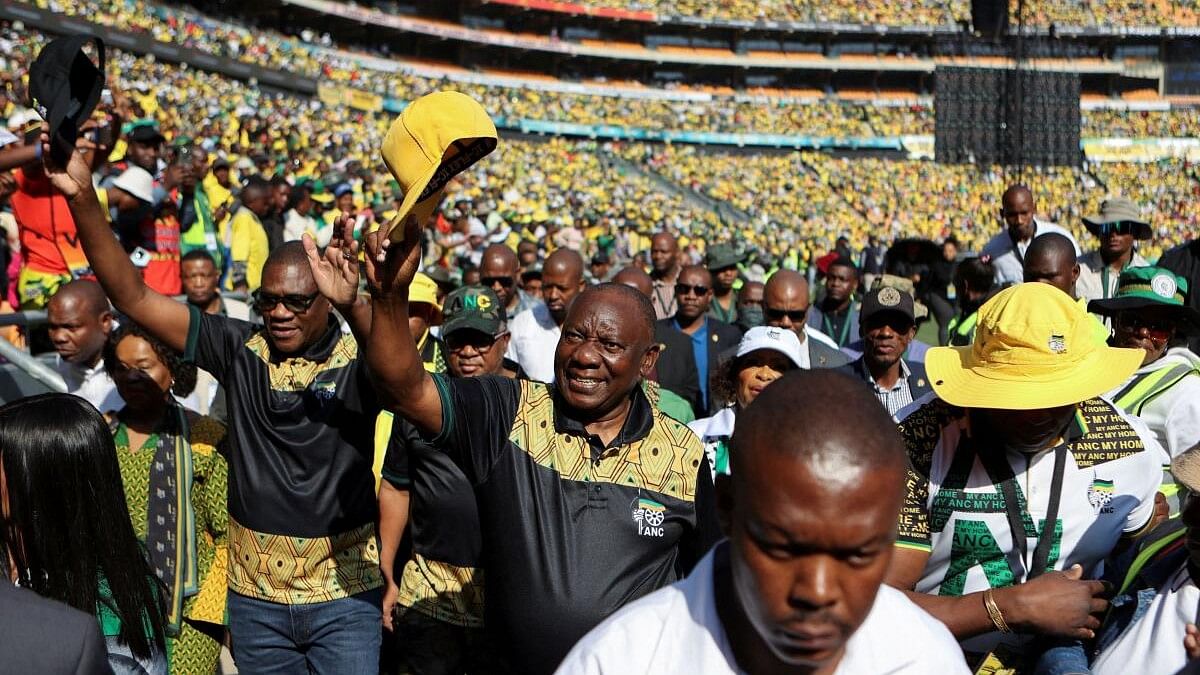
x,y
795,315
506,282
1121,227
265,302
684,289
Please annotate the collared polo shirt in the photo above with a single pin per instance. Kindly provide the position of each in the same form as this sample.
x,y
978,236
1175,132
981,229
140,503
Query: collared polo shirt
x,y
91,384
572,529
955,512
301,492
1008,258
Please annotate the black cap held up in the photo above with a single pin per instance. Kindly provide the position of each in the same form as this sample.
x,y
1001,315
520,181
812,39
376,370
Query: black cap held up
x,y
64,88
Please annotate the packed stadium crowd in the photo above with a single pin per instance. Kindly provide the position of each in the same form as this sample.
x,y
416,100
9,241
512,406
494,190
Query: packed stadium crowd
x,y
312,55
348,392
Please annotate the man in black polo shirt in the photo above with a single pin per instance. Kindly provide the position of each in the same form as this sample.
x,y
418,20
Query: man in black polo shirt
x,y
436,613
588,497
304,574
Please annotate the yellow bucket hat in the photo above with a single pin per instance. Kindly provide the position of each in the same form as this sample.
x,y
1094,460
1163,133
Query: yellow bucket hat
x,y
424,289
1034,348
436,137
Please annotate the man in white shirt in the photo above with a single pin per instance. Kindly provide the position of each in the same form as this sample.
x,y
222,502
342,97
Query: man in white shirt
x,y
535,331
810,512
1007,249
80,320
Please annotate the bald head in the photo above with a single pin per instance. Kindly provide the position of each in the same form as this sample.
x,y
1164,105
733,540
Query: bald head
x,y
664,254
84,293
1051,259
288,255
635,278
562,280
499,269
79,321
785,301
825,420
1017,209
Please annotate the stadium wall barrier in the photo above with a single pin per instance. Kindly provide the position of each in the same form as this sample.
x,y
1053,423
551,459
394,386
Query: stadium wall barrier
x,y
848,28
60,24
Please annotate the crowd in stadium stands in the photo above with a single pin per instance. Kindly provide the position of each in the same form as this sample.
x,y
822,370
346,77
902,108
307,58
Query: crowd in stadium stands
x,y
723,113
532,372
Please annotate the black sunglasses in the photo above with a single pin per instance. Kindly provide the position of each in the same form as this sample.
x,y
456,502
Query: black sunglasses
x,y
1121,227
265,302
506,282
796,315
684,289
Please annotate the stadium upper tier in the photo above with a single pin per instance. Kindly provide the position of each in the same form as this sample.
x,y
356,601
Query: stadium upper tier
x,y
781,201
1102,14
519,98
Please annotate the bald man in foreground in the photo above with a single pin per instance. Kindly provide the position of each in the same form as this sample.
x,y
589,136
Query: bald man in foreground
x,y
80,319
785,305
810,511
535,331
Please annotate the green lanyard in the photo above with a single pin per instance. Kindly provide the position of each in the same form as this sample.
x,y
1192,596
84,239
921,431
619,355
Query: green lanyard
x,y
828,326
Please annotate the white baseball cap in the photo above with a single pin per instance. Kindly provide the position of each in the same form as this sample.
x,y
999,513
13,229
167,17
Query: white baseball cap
x,y
782,340
137,182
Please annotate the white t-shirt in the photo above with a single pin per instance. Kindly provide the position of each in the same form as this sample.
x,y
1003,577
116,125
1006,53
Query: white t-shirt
x,y
1007,260
1111,475
1154,643
1174,415
534,341
676,630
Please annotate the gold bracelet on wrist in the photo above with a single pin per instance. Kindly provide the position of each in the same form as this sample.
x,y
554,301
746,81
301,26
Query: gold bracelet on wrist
x,y
993,610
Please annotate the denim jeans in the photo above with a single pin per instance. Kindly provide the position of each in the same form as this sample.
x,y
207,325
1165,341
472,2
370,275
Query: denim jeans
x,y
340,636
1060,657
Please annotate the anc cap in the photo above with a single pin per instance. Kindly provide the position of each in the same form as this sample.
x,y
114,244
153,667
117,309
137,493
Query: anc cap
x,y
1155,288
475,307
887,299
1034,348
436,137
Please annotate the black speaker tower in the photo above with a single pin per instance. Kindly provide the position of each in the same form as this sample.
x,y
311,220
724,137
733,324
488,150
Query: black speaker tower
x,y
990,17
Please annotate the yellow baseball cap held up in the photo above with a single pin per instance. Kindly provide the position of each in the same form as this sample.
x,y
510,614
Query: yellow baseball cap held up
x,y
437,137
1034,348
424,289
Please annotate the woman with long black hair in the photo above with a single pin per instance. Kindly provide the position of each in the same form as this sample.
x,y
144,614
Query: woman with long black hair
x,y
66,532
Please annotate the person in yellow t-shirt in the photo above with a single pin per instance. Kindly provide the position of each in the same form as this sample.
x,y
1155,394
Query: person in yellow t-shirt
x,y
248,246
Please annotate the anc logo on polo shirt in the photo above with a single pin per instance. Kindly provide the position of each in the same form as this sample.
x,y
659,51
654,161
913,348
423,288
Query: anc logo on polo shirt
x,y
649,516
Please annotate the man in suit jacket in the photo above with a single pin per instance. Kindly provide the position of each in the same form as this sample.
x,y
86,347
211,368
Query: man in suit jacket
x,y
785,305
887,327
46,637
708,336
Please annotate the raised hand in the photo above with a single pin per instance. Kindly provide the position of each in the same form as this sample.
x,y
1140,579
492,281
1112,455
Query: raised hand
x,y
75,178
336,272
392,265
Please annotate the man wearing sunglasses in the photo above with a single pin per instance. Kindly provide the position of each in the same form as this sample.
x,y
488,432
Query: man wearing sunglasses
x,y
434,603
888,326
302,505
500,270
709,337
785,305
1118,226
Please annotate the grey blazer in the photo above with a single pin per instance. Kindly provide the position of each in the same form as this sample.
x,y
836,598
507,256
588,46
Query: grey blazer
x,y
47,637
